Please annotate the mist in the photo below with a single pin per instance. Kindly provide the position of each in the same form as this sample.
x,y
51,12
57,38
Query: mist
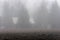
x,y
32,14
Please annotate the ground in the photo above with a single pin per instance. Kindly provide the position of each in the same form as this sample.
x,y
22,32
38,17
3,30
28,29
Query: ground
x,y
30,35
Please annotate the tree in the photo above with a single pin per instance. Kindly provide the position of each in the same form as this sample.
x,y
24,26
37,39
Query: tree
x,y
54,19
23,17
41,15
0,21
7,15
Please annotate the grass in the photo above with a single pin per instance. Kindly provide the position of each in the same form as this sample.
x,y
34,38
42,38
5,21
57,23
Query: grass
x,y
30,36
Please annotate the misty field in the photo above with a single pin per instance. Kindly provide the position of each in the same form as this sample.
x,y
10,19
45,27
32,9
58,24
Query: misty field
x,y
30,36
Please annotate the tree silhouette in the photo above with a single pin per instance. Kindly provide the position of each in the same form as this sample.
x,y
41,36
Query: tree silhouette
x,y
0,21
54,15
41,15
7,15
23,17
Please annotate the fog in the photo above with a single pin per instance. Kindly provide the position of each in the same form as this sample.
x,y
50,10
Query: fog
x,y
36,14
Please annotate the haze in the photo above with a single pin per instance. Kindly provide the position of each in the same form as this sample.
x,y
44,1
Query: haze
x,y
36,14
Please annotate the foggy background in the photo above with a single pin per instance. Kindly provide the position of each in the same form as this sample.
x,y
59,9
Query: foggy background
x,y
42,14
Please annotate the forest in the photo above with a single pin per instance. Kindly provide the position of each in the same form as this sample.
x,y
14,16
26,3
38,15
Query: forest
x,y
17,15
